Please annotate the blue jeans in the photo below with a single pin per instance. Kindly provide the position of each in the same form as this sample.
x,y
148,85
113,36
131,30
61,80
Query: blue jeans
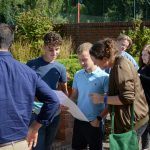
x,y
141,130
146,137
46,134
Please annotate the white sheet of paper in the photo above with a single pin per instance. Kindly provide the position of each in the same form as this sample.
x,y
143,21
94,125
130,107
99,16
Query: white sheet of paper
x,y
73,108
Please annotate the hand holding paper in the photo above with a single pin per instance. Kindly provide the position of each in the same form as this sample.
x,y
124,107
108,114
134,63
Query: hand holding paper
x,y
73,108
63,108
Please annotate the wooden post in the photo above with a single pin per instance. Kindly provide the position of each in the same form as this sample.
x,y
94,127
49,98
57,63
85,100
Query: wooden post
x,y
78,14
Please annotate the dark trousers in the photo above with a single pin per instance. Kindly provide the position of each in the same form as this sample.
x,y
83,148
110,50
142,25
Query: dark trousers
x,y
86,135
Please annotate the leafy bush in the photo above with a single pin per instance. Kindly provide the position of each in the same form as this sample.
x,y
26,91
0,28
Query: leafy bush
x,y
67,48
23,51
140,36
72,65
32,25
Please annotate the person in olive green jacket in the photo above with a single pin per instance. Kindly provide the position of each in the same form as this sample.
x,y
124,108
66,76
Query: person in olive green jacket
x,y
125,88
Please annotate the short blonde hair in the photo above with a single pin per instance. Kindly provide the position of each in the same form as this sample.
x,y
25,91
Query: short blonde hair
x,y
125,37
84,47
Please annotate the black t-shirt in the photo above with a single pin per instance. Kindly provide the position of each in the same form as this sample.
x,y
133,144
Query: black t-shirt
x,y
145,80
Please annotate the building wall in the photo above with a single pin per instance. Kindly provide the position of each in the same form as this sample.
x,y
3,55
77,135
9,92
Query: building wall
x,y
91,32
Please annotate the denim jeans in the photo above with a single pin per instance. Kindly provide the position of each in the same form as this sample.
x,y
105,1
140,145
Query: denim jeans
x,y
141,130
46,134
146,137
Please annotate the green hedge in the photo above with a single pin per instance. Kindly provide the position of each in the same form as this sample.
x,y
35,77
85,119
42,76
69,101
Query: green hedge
x,y
140,36
72,65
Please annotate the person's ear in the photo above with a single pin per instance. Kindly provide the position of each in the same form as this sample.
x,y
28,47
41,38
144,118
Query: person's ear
x,y
105,59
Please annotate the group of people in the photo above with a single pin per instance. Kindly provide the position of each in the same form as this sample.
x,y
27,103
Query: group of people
x,y
30,110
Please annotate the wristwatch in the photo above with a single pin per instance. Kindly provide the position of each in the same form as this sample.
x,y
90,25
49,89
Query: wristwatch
x,y
99,118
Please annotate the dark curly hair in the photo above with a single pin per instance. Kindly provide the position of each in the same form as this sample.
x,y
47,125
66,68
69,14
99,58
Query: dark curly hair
x,y
52,38
104,48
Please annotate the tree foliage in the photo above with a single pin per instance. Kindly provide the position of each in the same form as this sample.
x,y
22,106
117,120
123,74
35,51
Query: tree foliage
x,y
62,10
140,37
122,10
8,10
32,25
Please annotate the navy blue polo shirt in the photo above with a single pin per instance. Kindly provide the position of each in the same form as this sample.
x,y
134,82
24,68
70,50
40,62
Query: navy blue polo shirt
x,y
52,73
19,85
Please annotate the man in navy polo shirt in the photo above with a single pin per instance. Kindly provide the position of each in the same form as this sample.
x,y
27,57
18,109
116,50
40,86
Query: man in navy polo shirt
x,y
18,87
54,74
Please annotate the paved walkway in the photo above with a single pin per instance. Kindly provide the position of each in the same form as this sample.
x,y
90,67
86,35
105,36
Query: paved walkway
x,y
59,146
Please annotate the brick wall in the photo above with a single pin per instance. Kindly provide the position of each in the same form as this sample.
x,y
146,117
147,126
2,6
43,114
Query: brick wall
x,y
64,134
91,32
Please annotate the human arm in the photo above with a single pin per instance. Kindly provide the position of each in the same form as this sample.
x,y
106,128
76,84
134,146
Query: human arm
x,y
48,110
125,77
74,94
63,87
96,122
122,82
45,95
111,100
50,102
103,114
32,135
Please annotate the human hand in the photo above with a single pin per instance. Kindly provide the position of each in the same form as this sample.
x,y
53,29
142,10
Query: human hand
x,y
96,98
63,108
95,123
32,135
32,138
